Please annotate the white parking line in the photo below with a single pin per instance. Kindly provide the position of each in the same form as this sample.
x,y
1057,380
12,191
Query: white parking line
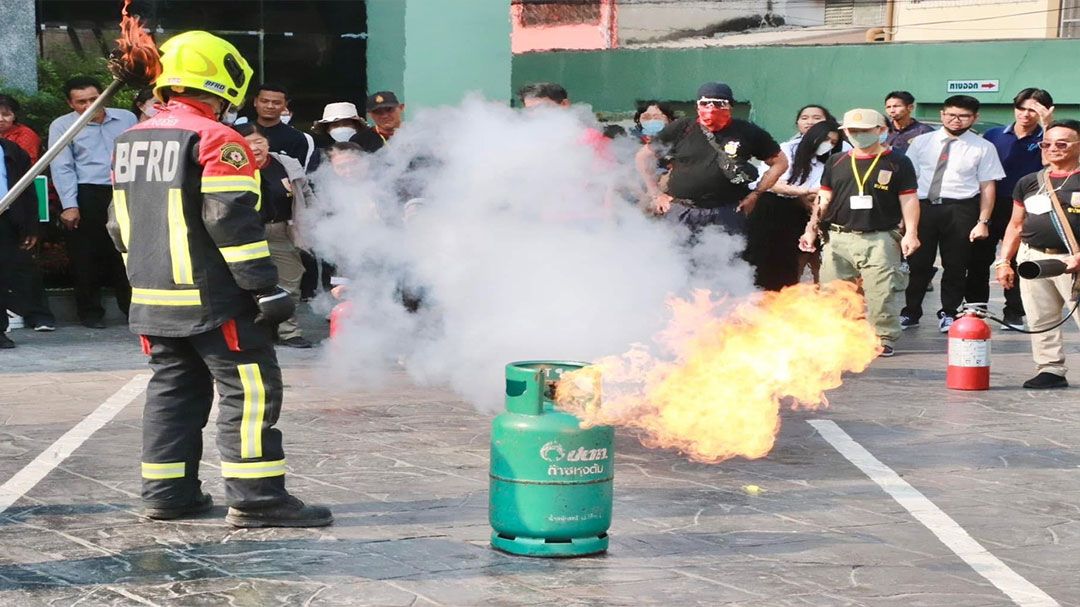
x,y
1021,591
25,479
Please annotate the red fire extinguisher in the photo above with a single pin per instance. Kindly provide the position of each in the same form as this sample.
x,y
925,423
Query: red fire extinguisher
x,y
337,316
969,354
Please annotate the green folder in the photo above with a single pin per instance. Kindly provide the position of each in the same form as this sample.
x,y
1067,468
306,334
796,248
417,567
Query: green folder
x,y
41,186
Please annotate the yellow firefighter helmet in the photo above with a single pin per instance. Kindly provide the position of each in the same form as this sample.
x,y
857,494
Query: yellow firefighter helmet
x,y
202,61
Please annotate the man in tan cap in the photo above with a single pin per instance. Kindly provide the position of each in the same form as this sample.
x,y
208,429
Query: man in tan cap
x,y
865,195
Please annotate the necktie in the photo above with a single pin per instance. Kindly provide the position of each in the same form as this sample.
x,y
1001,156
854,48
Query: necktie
x,y
934,194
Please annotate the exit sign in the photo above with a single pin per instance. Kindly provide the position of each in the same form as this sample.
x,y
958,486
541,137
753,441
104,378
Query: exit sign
x,y
973,86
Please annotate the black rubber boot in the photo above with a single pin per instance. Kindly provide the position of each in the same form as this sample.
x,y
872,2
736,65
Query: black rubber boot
x,y
289,513
201,505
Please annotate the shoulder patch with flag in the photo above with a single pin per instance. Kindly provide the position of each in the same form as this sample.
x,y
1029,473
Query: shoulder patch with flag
x,y
233,154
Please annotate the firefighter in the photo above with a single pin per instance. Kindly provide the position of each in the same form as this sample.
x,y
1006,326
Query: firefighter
x,y
205,299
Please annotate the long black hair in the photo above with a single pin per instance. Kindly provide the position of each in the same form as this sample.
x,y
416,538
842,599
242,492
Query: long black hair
x,y
807,150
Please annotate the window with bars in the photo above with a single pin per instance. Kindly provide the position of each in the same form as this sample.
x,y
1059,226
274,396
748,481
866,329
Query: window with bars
x,y
1070,19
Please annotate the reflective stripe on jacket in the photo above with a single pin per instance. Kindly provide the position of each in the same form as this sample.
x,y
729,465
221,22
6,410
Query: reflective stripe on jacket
x,y
185,217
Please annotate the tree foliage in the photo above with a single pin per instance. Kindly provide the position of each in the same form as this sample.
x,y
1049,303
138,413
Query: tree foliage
x,y
49,102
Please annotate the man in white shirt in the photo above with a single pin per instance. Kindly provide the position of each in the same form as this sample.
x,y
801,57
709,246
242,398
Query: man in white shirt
x,y
957,170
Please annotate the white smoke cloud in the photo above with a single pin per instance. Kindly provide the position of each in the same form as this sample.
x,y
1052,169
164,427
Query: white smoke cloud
x,y
518,250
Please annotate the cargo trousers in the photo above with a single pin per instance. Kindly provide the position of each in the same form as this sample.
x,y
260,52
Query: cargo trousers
x,y
875,258
239,358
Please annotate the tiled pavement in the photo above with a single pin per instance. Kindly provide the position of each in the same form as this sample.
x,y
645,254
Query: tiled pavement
x,y
405,469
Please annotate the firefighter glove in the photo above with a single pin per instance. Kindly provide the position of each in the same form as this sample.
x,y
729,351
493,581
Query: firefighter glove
x,y
275,306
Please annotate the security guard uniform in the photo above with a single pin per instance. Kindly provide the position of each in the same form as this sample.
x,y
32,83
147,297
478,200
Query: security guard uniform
x,y
185,217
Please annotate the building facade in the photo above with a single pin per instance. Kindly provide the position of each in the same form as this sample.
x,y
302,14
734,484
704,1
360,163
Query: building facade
x,y
944,20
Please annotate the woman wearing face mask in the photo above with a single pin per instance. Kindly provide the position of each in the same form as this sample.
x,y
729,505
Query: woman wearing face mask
x,y
790,201
651,118
804,180
285,192
144,106
340,122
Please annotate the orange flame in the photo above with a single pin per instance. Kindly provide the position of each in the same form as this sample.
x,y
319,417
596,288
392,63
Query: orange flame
x,y
136,59
717,391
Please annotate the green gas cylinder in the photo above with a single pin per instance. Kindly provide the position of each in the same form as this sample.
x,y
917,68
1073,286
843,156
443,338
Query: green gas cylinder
x,y
551,481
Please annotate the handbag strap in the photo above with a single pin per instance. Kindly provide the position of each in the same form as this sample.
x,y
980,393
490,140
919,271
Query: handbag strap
x,y
1059,211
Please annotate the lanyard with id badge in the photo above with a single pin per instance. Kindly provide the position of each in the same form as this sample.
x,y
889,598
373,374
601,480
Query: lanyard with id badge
x,y
863,202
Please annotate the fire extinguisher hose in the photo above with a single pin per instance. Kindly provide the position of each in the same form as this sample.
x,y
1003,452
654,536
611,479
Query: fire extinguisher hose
x,y
984,314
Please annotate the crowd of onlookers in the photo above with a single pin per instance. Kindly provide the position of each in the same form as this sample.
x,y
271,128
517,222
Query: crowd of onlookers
x,y
80,189
883,200
876,197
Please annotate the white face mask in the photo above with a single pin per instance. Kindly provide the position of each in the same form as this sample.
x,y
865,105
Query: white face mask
x,y
285,118
824,148
230,115
149,109
341,133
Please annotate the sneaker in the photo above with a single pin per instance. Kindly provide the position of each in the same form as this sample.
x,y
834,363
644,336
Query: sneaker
x,y
296,342
1046,381
290,513
887,351
15,321
45,327
1013,322
200,505
5,343
944,322
906,322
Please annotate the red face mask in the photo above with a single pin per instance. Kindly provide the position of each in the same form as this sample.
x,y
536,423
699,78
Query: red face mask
x,y
714,118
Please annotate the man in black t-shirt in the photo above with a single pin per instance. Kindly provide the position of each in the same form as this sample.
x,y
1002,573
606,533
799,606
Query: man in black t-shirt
x,y
709,156
270,101
865,195
1035,233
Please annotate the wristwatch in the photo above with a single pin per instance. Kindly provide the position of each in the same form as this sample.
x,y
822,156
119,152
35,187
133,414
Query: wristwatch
x,y
984,221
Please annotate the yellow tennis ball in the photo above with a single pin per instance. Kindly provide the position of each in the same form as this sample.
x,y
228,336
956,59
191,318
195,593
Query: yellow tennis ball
x,y
752,489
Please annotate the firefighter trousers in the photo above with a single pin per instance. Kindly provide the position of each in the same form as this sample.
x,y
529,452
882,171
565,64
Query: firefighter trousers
x,y
239,357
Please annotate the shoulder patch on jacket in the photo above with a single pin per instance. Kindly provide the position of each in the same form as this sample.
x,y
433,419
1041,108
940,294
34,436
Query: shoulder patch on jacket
x,y
233,154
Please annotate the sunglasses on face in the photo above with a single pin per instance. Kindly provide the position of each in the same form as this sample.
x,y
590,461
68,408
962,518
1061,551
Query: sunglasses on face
x,y
1057,145
720,103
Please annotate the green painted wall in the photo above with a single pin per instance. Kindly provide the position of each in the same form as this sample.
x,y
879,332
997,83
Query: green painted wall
x,y
430,55
386,45
451,52
777,80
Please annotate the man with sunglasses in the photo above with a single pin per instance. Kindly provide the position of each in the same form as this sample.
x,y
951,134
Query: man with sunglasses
x,y
709,155
957,172
1018,149
1036,233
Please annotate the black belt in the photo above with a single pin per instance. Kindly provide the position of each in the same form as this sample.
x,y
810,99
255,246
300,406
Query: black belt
x,y
841,229
949,200
1048,250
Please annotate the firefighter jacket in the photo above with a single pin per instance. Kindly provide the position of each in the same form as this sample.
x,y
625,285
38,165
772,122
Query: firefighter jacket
x,y
185,217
